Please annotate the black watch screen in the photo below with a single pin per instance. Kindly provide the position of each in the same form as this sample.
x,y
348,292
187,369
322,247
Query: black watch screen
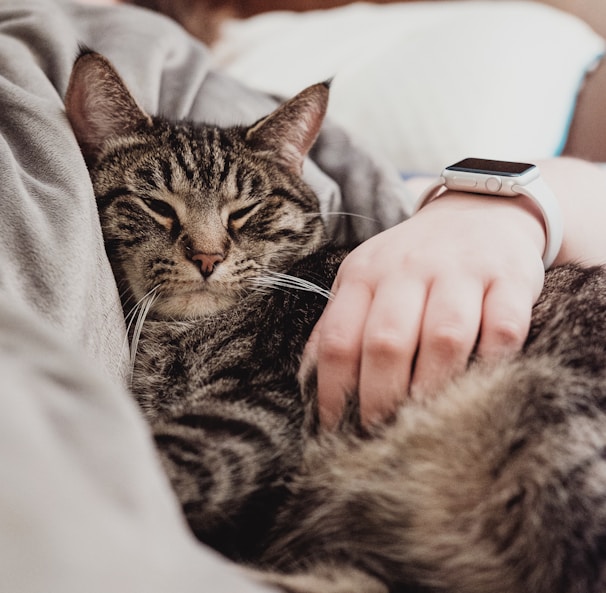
x,y
488,167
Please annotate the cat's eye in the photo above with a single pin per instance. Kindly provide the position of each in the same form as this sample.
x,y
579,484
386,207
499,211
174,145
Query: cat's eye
x,y
160,207
238,217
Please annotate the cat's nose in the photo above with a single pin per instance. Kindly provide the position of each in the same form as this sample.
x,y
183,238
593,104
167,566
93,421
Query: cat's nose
x,y
207,262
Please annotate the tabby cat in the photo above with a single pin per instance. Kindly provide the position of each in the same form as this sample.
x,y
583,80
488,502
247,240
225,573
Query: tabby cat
x,y
497,485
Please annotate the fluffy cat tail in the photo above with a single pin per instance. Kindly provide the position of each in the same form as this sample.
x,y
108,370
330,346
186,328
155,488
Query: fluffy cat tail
x,y
498,485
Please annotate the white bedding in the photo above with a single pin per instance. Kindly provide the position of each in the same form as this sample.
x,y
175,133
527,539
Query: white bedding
x,y
427,83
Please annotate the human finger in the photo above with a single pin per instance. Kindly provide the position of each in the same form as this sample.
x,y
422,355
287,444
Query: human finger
x,y
506,317
449,332
338,349
309,359
389,344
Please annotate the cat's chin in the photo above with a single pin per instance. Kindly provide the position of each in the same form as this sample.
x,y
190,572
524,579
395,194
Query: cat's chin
x,y
191,305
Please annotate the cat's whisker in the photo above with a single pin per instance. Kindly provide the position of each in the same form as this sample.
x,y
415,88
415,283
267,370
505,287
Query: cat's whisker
x,y
286,281
350,214
125,351
134,310
124,292
145,305
136,315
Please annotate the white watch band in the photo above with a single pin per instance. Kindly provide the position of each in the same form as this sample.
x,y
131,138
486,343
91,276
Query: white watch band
x,y
538,192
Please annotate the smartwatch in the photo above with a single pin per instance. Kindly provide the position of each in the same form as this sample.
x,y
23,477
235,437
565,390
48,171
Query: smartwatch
x,y
503,179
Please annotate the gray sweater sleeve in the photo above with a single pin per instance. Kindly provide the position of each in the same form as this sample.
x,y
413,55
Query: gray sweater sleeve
x,y
84,504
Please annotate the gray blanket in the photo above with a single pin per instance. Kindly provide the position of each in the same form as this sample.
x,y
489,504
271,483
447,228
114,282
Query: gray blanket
x,y
84,506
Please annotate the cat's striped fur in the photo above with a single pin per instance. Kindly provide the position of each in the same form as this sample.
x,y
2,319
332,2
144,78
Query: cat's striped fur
x,y
498,485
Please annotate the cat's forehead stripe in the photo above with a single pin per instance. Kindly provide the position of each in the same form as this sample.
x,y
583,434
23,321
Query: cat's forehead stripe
x,y
225,169
109,196
150,176
167,172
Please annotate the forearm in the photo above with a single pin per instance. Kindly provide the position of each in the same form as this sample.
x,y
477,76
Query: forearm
x,y
581,191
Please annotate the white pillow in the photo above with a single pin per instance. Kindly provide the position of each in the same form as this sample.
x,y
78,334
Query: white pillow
x,y
427,83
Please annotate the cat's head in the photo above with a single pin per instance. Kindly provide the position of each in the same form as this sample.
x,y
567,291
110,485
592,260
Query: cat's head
x,y
194,212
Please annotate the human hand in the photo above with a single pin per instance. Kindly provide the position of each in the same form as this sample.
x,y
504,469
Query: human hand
x,y
412,303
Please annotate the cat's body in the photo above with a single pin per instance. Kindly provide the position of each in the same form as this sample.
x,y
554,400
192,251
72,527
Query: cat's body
x,y
224,381
498,484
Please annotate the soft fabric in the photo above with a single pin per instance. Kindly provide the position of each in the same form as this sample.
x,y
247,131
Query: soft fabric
x,y
84,505
428,83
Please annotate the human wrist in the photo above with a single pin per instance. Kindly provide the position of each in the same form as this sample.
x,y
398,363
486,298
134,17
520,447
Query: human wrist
x,y
519,212
507,179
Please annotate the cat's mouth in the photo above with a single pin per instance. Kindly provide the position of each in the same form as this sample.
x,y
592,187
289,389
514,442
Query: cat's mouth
x,y
193,302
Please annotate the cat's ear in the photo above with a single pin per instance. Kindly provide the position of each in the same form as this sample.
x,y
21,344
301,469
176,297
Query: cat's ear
x,y
290,131
99,105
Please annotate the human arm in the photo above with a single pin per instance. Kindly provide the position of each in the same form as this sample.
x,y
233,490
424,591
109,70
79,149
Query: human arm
x,y
411,303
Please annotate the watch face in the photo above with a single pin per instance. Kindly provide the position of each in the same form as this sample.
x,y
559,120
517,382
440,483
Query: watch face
x,y
488,167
